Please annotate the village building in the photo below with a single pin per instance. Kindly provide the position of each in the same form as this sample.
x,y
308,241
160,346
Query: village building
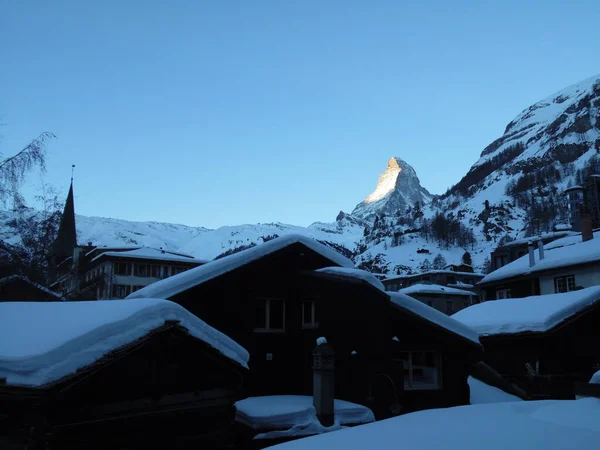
x,y
513,250
464,280
17,288
115,374
563,265
102,272
543,343
445,299
392,354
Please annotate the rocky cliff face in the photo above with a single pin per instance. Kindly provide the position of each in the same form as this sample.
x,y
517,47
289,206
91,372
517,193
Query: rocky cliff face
x,y
397,189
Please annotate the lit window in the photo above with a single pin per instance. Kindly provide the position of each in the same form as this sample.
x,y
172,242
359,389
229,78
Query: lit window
x,y
270,315
309,315
421,370
564,284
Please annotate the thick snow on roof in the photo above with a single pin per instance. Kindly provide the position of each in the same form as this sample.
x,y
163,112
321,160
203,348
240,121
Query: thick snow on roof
x,y
564,252
433,272
433,289
174,285
544,236
434,316
538,313
43,342
536,425
150,253
354,273
33,283
595,378
295,415
484,393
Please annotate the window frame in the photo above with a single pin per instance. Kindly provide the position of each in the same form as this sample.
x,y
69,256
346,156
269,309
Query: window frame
x,y
503,294
569,283
268,328
409,383
313,324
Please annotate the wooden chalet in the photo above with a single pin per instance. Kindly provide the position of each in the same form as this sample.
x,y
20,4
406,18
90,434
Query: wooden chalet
x,y
115,375
443,298
277,298
563,265
446,277
545,343
84,272
17,288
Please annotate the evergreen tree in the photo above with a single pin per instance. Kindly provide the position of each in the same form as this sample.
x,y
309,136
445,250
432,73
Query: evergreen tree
x,y
466,259
425,265
439,262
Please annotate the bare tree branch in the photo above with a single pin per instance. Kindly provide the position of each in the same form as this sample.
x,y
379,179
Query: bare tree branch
x,y
14,169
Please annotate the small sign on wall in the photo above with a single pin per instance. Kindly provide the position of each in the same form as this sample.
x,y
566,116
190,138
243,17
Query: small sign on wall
x,y
269,356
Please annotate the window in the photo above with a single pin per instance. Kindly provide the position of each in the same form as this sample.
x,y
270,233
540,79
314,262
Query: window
x,y
141,270
468,281
136,288
121,290
270,315
309,314
176,270
165,272
503,293
421,370
449,307
122,268
451,279
564,284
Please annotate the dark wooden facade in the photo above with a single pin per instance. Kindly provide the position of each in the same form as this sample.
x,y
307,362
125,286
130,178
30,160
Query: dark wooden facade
x,y
357,319
547,364
441,277
16,288
166,390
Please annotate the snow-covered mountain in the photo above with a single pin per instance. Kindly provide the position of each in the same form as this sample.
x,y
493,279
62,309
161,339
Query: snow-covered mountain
x,y
398,188
514,189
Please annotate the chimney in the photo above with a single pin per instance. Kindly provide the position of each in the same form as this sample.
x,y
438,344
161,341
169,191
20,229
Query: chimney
x,y
587,233
541,249
531,254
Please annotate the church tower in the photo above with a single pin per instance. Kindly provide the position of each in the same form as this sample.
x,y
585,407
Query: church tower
x,y
66,238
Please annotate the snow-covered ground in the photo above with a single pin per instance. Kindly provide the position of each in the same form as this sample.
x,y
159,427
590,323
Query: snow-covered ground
x,y
539,425
41,342
484,393
538,313
295,415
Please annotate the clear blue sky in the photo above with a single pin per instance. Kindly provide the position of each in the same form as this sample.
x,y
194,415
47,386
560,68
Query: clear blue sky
x,y
227,112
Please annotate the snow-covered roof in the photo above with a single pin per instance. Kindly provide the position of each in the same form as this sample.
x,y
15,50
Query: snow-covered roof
x,y
150,253
295,414
176,284
433,272
565,252
434,316
595,378
535,425
550,236
100,248
43,342
354,273
484,393
433,289
538,313
33,283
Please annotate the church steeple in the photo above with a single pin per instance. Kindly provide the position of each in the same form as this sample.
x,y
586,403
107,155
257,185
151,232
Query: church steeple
x,y
66,238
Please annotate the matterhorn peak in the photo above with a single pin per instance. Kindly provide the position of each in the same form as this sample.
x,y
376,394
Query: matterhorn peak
x,y
398,188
